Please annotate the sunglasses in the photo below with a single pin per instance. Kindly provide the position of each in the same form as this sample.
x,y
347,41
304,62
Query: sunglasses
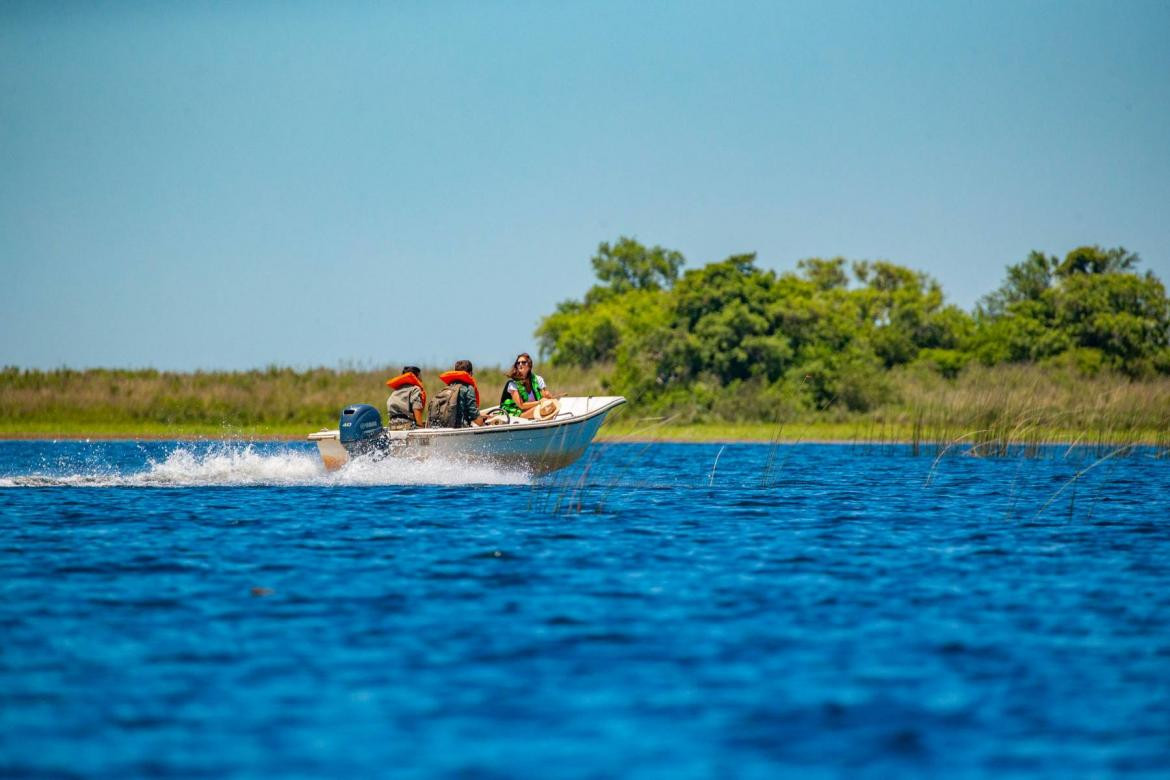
x,y
523,363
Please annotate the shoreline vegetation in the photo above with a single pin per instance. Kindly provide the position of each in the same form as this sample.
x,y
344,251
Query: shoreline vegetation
x,y
983,407
1072,350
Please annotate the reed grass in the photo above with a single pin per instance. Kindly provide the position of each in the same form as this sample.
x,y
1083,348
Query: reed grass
x,y
273,401
1027,408
986,411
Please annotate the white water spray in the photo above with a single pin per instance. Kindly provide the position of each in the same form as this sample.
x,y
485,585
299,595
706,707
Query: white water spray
x,y
242,464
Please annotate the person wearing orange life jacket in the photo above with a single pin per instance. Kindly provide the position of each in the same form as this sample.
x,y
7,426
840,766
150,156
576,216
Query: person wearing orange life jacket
x,y
404,407
457,404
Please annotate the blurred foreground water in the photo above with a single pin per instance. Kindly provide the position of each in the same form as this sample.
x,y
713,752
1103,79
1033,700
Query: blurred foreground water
x,y
218,609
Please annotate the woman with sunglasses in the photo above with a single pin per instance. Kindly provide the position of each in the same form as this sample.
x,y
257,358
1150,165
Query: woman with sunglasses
x,y
525,389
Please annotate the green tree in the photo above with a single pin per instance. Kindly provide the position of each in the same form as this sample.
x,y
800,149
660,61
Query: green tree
x,y
733,340
904,312
1026,281
723,323
825,274
1093,301
627,265
1124,315
1095,260
633,281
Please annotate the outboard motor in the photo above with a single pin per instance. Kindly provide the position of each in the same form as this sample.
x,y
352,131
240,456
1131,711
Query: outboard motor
x,y
360,429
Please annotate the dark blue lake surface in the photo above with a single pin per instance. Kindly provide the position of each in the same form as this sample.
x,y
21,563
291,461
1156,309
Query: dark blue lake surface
x,y
223,610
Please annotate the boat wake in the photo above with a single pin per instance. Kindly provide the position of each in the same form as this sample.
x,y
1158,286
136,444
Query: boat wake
x,y
244,464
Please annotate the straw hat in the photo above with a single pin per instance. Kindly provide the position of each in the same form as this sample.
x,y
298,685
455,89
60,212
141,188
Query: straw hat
x,y
548,408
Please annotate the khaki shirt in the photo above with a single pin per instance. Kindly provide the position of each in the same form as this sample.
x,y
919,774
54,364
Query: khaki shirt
x,y
403,401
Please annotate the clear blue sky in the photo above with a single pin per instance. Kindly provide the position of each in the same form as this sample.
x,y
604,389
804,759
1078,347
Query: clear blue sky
x,y
232,185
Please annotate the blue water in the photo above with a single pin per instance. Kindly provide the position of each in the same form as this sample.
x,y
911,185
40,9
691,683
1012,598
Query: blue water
x,y
213,610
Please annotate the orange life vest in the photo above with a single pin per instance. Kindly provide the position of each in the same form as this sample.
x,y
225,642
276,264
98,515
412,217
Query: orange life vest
x,y
402,380
461,376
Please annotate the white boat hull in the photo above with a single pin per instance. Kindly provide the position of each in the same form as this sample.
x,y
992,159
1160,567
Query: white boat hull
x,y
535,446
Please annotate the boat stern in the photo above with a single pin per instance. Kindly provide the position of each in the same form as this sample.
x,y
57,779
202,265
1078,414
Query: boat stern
x,y
333,455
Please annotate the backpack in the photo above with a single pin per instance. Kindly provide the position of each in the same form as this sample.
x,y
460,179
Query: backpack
x,y
443,410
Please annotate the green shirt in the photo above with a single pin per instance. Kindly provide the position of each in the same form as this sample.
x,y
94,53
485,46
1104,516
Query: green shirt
x,y
468,408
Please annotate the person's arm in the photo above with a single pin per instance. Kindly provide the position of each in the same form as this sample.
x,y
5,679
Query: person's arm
x,y
524,405
416,406
467,392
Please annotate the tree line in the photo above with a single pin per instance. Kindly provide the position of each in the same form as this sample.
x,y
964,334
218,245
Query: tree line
x,y
752,343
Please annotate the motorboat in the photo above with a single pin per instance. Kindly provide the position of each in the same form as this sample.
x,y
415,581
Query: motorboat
x,y
537,446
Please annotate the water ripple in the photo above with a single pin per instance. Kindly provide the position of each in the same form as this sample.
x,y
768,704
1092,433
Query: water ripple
x,y
218,609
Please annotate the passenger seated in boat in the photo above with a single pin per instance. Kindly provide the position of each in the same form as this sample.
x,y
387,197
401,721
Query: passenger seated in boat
x,y
457,404
526,395
404,407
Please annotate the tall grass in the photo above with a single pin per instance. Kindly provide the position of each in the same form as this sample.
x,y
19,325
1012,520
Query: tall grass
x,y
274,400
986,410
993,410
